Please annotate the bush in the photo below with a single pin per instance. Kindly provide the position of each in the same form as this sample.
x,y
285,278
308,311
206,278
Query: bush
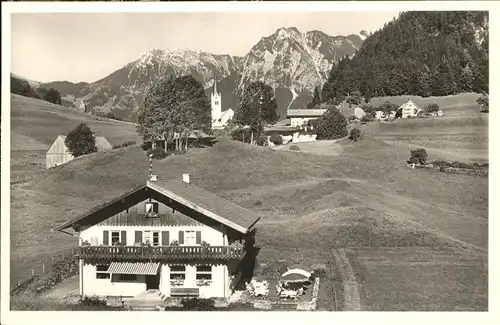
x,y
431,108
294,147
418,156
319,270
158,153
355,134
198,304
276,139
112,116
125,144
93,302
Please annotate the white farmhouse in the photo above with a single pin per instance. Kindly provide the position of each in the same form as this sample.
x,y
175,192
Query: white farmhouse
x,y
59,154
300,117
408,109
165,238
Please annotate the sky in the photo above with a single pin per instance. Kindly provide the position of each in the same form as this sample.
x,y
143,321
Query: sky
x,y
89,46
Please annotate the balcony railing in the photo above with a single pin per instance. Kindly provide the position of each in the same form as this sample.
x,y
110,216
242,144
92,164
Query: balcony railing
x,y
160,252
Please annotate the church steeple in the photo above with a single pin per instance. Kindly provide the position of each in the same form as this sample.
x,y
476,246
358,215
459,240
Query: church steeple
x,y
215,90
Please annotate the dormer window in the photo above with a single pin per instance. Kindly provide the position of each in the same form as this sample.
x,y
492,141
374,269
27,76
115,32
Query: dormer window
x,y
152,209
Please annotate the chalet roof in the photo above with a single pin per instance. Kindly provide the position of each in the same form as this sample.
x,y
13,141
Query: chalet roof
x,y
407,103
201,204
349,109
305,112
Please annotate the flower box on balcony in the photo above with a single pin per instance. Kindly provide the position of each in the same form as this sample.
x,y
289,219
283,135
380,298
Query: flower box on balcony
x,y
176,283
202,283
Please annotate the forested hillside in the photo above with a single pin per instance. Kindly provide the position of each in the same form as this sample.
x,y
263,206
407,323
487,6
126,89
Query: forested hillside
x,y
419,53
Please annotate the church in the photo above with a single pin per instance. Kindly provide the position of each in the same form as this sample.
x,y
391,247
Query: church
x,y
219,118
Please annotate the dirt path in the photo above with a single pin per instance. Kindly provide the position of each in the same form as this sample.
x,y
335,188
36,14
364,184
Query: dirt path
x,y
351,288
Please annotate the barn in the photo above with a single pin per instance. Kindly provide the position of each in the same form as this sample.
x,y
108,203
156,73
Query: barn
x,y
59,154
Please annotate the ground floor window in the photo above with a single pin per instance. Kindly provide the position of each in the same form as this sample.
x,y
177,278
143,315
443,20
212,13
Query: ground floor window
x,y
203,274
124,277
102,271
177,275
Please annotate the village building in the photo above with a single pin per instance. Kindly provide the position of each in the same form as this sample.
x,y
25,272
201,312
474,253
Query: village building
x,y
59,154
408,109
300,117
220,118
349,109
165,238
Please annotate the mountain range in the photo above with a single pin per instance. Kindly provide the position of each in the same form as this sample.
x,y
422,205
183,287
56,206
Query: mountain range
x,y
290,61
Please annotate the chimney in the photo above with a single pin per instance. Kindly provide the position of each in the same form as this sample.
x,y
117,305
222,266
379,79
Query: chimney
x,y
185,178
153,178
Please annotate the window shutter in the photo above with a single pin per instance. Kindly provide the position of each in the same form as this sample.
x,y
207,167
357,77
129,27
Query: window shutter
x,y
138,236
181,237
198,237
123,239
105,237
165,238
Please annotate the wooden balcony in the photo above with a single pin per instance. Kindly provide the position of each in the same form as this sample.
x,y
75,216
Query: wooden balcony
x,y
161,253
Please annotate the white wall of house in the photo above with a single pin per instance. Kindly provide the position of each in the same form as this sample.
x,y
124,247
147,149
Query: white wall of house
x,y
409,109
113,286
95,235
301,121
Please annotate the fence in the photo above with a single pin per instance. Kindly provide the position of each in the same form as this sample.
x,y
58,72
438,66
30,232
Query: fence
x,y
20,280
26,177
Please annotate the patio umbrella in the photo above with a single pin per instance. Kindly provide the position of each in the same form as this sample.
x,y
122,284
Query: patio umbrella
x,y
295,275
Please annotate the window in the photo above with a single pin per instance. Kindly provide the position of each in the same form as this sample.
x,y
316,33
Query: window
x,y
204,272
115,237
177,272
152,207
156,238
190,238
101,271
152,238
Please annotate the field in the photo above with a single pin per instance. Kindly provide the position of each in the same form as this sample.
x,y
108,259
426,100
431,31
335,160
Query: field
x,y
392,238
35,124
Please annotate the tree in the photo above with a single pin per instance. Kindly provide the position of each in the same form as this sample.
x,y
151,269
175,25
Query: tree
x,y
81,141
332,125
257,108
354,98
316,98
51,95
483,103
431,108
355,134
172,109
22,87
276,139
418,156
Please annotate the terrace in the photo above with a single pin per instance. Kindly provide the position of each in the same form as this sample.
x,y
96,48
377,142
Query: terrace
x,y
161,252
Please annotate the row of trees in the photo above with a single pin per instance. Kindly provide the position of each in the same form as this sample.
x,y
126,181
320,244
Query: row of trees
x,y
22,87
172,109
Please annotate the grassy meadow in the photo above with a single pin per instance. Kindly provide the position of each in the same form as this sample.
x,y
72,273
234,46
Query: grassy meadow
x,y
35,124
412,239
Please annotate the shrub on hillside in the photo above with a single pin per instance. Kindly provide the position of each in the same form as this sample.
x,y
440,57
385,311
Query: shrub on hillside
x,y
22,87
483,103
125,144
431,108
81,141
112,116
276,139
294,147
198,304
355,134
418,156
51,95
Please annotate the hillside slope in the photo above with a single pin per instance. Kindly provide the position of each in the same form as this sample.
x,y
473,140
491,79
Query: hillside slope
x,y
427,53
35,124
311,205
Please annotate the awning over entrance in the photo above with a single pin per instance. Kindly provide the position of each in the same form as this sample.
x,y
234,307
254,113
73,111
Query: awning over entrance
x,y
134,268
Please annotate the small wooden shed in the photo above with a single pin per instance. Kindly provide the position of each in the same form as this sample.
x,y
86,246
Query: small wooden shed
x,y
59,154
